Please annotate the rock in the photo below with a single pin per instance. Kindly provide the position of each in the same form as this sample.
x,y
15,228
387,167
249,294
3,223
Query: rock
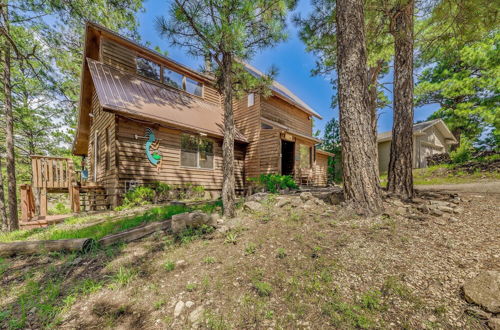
x,y
179,222
441,221
283,202
223,229
214,219
258,197
423,208
197,218
484,290
196,315
309,205
458,210
435,212
397,202
494,323
305,196
296,202
452,219
252,206
189,304
336,198
400,210
446,209
478,313
439,203
418,217
179,307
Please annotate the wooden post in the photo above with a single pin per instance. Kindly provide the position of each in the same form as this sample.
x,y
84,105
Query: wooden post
x,y
27,203
75,198
43,202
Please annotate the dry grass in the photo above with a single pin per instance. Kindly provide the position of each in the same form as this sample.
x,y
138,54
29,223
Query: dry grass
x,y
288,268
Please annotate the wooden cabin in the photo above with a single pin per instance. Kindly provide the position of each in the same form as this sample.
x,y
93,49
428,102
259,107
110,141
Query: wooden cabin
x,y
144,117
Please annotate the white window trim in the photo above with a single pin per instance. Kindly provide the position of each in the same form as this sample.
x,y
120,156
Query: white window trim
x,y
251,99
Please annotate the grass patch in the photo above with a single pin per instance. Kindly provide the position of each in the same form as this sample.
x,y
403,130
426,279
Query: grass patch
x,y
110,226
169,266
263,289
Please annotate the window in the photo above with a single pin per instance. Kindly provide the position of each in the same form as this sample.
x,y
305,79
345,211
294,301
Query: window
x,y
193,87
251,99
148,68
106,148
305,156
197,152
173,78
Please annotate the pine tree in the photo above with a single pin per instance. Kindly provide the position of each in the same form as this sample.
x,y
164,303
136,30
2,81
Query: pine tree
x,y
227,32
361,182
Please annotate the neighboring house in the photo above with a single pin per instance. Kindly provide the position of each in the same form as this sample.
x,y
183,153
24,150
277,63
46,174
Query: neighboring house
x,y
144,117
429,138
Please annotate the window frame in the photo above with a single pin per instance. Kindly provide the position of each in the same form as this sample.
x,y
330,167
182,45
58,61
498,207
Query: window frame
x,y
162,76
198,153
308,148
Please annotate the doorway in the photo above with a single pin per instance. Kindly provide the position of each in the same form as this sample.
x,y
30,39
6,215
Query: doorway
x,y
287,157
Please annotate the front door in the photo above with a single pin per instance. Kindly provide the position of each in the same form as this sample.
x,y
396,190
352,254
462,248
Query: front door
x,y
287,157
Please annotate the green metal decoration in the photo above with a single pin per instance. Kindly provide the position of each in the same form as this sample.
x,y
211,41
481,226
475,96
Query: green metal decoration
x,y
152,145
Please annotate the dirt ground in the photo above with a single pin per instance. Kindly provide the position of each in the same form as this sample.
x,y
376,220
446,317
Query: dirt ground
x,y
491,187
279,268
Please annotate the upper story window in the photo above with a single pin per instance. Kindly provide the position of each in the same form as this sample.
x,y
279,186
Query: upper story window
x,y
152,70
197,152
148,68
173,78
265,126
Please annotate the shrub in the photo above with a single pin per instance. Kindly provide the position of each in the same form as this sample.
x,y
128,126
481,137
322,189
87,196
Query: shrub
x,y
138,196
274,182
161,190
463,153
263,288
169,266
60,208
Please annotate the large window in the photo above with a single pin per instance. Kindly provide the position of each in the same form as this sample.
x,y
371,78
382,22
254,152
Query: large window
x,y
148,69
197,152
305,156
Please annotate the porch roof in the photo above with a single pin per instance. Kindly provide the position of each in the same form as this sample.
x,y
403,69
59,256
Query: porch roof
x,y
291,131
131,95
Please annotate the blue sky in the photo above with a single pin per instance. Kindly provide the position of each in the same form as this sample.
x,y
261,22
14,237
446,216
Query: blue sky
x,y
294,65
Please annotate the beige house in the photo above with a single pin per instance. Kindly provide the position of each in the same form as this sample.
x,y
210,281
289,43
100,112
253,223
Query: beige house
x,y
429,138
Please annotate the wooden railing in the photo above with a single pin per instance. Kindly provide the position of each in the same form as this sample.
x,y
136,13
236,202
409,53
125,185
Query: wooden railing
x,y
52,172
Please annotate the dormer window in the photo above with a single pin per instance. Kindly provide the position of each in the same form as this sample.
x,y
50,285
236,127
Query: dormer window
x,y
148,68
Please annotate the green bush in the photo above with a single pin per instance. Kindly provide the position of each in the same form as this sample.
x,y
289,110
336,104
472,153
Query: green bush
x,y
463,153
162,191
60,208
138,196
274,182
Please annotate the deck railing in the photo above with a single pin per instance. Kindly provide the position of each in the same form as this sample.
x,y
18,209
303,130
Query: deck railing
x,y
52,172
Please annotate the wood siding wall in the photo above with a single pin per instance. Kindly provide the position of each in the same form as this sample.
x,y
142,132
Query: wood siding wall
x,y
270,151
247,120
133,164
321,170
281,112
118,55
103,123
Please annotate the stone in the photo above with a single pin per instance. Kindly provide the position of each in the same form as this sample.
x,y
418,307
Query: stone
x,y
181,264
196,219
179,222
252,206
305,196
400,210
309,205
446,209
484,290
196,315
477,313
189,304
213,220
296,202
423,208
435,212
458,210
258,197
283,202
439,203
336,198
179,307
223,229
494,323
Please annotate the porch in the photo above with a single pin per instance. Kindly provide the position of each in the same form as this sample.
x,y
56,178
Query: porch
x,y
57,175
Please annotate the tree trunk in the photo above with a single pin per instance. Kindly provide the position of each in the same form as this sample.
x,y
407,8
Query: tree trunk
x,y
400,177
3,211
13,222
228,193
361,182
